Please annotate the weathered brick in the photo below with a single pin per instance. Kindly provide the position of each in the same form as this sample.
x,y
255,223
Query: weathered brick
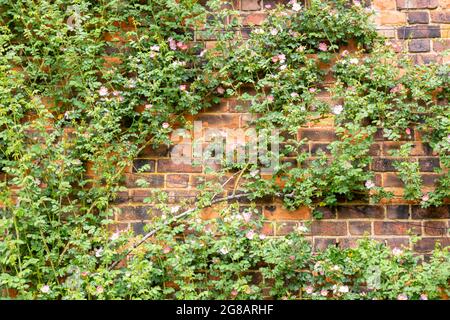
x,y
285,227
428,244
323,243
419,45
176,196
392,180
137,213
391,18
418,17
441,45
418,148
384,164
430,179
395,228
254,19
140,194
427,58
397,211
327,212
417,4
428,164
435,228
440,16
442,212
139,228
277,212
359,228
122,197
177,180
360,212
384,4
230,121
416,32
394,242
329,228
251,5
151,151
138,164
152,180
317,135
168,165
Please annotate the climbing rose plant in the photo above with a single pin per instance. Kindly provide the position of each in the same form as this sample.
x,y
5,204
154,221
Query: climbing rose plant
x,y
87,86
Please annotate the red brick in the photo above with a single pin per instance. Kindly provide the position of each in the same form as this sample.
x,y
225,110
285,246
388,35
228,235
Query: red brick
x,y
168,165
138,164
177,180
329,228
176,196
277,212
435,228
416,32
395,228
359,228
394,242
418,17
152,180
397,211
441,45
219,121
254,19
317,135
428,244
137,213
384,4
419,45
440,16
323,243
392,180
360,212
327,213
442,212
251,5
417,4
429,164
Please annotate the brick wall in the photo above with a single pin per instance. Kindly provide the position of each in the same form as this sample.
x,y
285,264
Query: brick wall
x,y
421,26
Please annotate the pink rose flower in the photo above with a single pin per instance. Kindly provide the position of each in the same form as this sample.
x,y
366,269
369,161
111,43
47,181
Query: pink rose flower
x,y
270,98
99,290
423,296
309,289
337,109
45,289
103,91
172,44
369,184
408,131
220,90
323,46
183,87
165,125
167,249
312,90
250,235
425,197
402,296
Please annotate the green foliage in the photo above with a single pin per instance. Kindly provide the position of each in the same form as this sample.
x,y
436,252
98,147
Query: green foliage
x,y
86,87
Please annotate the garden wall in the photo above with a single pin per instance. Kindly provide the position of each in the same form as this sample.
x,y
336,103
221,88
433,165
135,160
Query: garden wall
x,y
426,25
